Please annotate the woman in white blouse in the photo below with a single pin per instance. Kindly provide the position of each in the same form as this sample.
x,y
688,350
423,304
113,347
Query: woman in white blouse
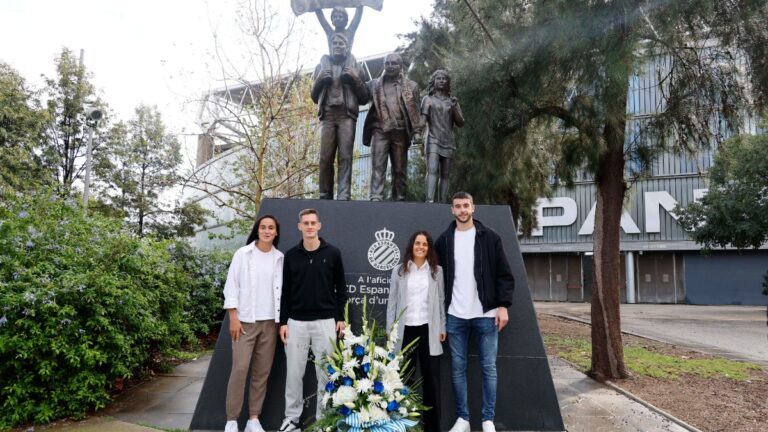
x,y
416,286
252,300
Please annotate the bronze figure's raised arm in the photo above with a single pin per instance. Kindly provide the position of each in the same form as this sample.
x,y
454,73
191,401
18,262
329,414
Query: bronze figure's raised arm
x,y
339,19
338,92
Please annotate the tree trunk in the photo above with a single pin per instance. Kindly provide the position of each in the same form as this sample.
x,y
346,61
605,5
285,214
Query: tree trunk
x,y
607,348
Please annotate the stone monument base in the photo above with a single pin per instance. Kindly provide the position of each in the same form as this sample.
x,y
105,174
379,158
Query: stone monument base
x,y
526,398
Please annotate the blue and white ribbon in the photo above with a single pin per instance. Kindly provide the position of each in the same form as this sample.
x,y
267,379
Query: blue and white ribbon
x,y
384,425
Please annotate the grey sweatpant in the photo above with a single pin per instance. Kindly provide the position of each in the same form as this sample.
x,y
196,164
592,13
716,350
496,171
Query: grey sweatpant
x,y
320,335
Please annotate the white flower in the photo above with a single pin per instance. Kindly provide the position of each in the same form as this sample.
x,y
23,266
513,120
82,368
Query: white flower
x,y
403,411
374,398
391,381
377,413
364,415
363,385
394,365
326,398
380,352
393,335
349,365
344,395
351,339
334,376
399,397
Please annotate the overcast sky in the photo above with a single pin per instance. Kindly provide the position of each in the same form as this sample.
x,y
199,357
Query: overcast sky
x,y
159,52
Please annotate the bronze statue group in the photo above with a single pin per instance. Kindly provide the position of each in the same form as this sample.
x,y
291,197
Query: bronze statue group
x,y
396,118
445,289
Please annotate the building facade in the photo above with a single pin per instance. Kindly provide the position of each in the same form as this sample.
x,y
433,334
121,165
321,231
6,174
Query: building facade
x,y
660,264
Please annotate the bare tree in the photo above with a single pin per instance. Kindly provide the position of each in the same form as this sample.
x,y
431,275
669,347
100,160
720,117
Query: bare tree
x,y
261,126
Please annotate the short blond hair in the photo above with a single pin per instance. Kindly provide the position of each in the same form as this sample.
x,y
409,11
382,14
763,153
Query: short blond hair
x,y
308,211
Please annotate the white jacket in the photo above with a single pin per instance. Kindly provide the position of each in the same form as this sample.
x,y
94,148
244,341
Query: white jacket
x,y
242,293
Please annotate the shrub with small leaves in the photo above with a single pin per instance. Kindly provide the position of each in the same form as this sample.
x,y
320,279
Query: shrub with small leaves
x,y
84,302
207,272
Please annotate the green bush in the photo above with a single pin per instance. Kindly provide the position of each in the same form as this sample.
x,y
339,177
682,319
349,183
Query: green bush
x,y
207,271
84,302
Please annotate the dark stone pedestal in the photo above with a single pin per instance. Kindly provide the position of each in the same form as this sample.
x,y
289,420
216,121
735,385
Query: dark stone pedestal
x,y
526,397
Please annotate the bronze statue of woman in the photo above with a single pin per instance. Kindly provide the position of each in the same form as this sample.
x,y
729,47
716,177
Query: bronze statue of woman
x,y
440,112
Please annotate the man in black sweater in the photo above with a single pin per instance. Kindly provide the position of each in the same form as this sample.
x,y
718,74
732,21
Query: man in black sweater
x,y
311,311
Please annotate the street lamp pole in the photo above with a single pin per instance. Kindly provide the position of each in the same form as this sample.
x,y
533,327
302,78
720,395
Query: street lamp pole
x,y
93,115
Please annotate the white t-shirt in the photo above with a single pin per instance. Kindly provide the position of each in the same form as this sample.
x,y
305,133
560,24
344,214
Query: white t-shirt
x,y
465,302
262,269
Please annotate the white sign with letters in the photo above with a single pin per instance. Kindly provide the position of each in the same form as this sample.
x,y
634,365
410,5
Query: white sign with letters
x,y
653,203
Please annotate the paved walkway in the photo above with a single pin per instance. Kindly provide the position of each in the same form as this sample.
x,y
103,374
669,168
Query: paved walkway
x,y
735,332
168,402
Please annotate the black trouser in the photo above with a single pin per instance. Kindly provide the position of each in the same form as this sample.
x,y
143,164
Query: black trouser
x,y
389,146
430,373
337,137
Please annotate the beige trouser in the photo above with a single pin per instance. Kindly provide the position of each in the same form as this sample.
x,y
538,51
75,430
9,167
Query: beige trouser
x,y
257,342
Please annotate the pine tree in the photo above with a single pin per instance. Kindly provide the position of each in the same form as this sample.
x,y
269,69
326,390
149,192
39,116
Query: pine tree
x,y
544,87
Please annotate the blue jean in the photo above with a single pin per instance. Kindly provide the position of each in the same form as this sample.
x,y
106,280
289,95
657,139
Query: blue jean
x,y
458,340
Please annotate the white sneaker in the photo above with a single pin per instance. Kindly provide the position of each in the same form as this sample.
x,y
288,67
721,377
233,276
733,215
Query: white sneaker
x,y
231,426
289,426
488,426
461,425
253,426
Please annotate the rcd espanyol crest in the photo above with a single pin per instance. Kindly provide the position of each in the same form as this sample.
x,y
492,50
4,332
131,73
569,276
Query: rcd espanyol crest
x,y
384,255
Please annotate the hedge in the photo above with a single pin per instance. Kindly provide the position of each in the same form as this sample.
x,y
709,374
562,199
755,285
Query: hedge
x,y
84,302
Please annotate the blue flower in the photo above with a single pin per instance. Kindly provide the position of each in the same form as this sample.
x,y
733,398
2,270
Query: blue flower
x,y
330,387
347,381
378,387
23,214
343,410
391,356
366,367
393,406
404,391
331,370
359,351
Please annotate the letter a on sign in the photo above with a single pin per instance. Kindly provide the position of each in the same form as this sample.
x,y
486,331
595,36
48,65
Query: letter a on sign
x,y
302,6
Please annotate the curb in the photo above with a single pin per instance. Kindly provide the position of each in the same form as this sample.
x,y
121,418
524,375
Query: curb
x,y
701,350
626,393
646,404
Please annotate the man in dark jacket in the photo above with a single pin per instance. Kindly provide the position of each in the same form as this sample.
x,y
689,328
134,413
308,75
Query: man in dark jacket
x,y
338,92
311,311
393,122
478,291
